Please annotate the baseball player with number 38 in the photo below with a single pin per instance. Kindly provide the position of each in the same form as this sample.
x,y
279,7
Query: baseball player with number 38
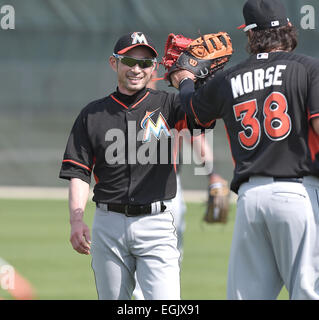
x,y
264,103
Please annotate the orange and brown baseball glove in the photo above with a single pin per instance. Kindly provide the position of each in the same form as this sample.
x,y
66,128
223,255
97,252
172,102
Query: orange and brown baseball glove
x,y
202,56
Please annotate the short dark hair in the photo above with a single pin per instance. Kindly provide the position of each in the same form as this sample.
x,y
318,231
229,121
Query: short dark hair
x,y
282,38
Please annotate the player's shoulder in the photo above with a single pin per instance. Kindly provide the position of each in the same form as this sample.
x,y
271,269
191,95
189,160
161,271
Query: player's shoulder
x,y
301,57
237,67
163,95
305,60
96,105
257,61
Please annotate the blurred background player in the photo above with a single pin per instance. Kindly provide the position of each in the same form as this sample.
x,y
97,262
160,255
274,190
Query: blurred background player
x,y
14,283
204,154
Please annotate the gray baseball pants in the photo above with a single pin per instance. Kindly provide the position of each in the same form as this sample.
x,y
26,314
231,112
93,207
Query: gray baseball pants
x,y
145,244
273,242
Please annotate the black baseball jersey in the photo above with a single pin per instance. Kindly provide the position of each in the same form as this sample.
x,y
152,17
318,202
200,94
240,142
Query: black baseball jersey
x,y
127,143
265,102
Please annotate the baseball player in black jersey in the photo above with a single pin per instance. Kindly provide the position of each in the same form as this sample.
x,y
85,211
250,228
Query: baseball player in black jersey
x,y
125,140
264,103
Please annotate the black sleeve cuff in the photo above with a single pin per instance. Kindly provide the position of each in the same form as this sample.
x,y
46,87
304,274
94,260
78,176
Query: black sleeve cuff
x,y
68,171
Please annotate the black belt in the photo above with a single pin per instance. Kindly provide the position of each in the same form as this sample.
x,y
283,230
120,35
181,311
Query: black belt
x,y
131,209
298,180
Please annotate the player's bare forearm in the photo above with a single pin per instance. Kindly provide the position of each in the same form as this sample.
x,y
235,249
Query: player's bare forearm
x,y
80,233
203,152
78,196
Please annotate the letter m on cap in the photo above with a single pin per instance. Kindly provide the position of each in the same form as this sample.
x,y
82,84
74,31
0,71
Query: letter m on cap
x,y
138,38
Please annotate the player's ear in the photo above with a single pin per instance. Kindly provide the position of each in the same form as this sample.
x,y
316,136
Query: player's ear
x,y
113,63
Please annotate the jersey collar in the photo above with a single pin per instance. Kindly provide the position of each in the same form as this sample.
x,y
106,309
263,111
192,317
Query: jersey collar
x,y
129,101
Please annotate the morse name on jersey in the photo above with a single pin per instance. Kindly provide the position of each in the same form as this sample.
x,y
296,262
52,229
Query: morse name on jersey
x,y
257,79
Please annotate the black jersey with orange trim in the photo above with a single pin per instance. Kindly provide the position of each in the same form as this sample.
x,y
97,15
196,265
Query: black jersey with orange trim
x,y
263,102
127,142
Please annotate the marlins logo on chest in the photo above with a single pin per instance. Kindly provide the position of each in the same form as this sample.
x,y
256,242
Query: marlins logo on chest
x,y
150,127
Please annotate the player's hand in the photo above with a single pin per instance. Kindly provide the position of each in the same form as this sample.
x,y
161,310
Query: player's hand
x,y
80,237
177,76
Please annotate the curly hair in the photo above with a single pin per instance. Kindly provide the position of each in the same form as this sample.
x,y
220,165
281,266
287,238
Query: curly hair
x,y
282,38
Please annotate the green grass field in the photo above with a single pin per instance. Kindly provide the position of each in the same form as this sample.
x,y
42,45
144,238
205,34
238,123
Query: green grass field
x,y
34,238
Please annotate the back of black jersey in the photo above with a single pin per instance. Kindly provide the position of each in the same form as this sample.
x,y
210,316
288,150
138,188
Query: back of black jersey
x,y
264,103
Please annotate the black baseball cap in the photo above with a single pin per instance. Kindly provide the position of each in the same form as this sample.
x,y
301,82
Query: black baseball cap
x,y
132,40
264,14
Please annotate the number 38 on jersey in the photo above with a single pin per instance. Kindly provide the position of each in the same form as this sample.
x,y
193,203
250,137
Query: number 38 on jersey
x,y
275,120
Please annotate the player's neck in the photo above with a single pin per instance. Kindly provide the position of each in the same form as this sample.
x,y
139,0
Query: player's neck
x,y
129,98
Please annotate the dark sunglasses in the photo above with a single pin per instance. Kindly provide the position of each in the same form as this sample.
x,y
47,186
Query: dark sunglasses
x,y
131,62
